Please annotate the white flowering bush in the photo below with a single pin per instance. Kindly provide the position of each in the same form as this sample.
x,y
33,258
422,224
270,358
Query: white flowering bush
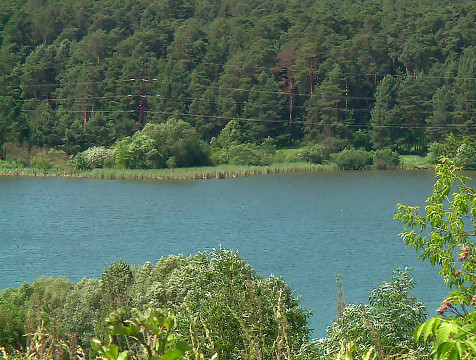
x,y
466,156
96,156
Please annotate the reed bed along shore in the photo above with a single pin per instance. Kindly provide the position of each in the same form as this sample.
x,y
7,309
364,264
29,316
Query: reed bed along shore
x,y
207,172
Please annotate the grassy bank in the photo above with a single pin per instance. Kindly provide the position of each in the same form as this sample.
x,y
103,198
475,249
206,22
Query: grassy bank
x,y
208,172
415,162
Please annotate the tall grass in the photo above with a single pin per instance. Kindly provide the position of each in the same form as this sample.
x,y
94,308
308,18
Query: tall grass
x,y
415,162
191,173
206,172
56,172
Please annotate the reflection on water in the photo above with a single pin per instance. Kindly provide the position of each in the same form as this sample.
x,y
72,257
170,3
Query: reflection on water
x,y
305,227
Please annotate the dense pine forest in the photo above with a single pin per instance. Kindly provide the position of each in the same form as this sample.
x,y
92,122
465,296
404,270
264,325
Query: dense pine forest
x,y
341,75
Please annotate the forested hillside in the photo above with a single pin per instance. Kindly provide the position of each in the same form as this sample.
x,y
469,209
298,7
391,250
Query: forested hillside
x,y
81,73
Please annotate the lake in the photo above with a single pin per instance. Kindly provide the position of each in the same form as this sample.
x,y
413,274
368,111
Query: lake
x,y
306,227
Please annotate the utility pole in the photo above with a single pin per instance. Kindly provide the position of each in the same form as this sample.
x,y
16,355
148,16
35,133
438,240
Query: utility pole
x,y
311,84
346,88
143,97
291,103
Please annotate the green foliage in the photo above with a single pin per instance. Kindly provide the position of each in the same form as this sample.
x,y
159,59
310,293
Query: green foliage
x,y
313,153
11,164
232,134
13,317
96,156
79,162
445,228
178,141
436,151
140,152
81,312
385,159
224,308
462,151
466,155
385,325
352,159
443,235
231,148
153,330
261,319
247,154
77,75
114,283
454,338
41,162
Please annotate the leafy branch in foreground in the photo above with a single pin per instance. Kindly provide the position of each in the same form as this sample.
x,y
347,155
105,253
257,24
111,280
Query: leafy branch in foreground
x,y
153,330
448,225
444,235
455,337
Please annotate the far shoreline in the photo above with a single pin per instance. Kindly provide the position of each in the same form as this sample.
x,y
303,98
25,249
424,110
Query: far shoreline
x,y
192,173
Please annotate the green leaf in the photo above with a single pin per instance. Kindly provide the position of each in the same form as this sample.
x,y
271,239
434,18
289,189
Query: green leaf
x,y
460,349
123,355
428,327
369,355
177,352
445,329
120,329
96,343
418,331
443,348
112,352
471,342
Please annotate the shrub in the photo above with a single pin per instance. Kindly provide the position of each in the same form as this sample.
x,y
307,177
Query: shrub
x,y
96,156
313,153
385,159
223,306
352,159
13,316
232,134
152,331
79,162
81,312
436,151
248,154
466,155
331,145
41,162
178,139
14,164
260,313
386,324
138,152
462,151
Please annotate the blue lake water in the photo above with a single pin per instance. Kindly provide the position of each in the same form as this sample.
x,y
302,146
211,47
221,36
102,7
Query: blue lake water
x,y
304,227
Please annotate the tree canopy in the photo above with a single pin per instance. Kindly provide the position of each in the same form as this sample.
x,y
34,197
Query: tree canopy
x,y
77,74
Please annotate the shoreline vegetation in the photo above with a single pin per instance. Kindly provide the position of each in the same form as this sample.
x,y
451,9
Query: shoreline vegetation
x,y
194,173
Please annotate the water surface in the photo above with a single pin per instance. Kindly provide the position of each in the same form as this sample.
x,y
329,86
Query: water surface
x,y
304,227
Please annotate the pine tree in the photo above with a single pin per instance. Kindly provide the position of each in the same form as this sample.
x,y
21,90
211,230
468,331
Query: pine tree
x,y
266,109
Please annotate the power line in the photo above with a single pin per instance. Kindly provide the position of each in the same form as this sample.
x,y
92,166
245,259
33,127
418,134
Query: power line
x,y
208,100
305,69
284,121
303,122
218,64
